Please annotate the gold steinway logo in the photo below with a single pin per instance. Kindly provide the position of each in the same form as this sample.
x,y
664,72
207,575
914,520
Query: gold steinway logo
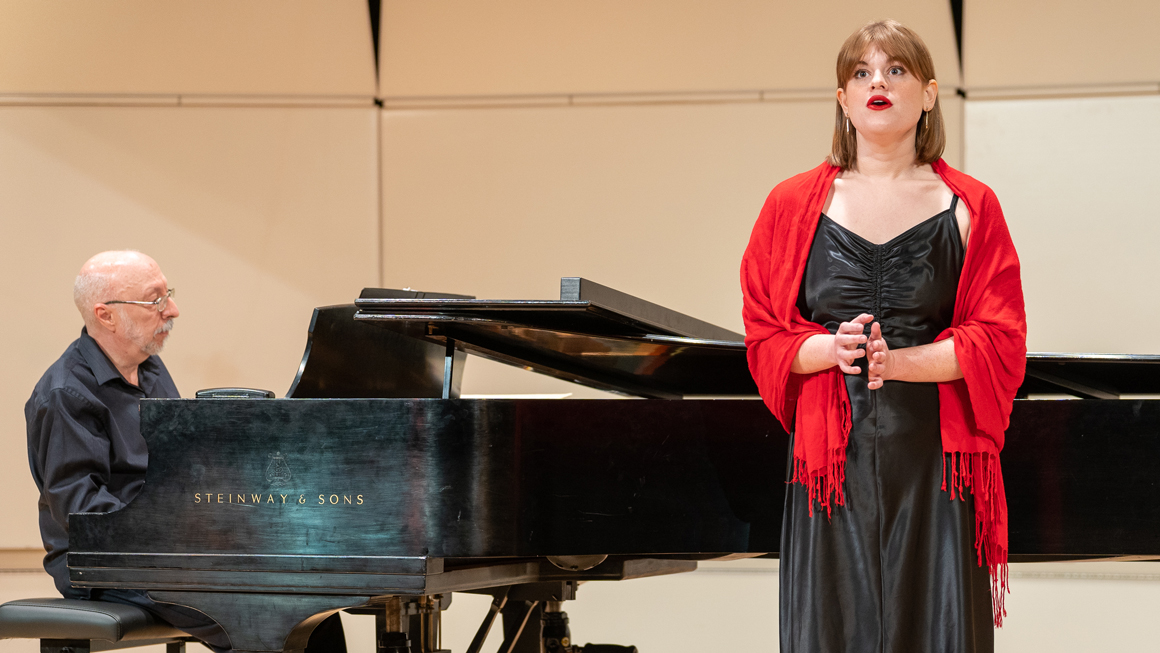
x,y
278,474
278,499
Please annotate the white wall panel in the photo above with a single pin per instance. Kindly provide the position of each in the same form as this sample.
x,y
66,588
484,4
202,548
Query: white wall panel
x,y
255,215
1077,180
521,47
256,47
1060,43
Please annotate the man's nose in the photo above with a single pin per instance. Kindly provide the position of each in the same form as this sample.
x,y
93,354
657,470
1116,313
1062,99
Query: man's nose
x,y
171,309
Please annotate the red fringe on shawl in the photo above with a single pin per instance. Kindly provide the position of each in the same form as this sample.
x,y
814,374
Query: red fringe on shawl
x,y
823,483
977,473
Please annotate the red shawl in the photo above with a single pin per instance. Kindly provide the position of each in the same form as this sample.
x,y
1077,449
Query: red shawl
x,y
989,330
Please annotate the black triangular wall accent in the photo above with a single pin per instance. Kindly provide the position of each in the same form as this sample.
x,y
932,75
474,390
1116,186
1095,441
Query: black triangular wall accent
x,y
375,6
957,14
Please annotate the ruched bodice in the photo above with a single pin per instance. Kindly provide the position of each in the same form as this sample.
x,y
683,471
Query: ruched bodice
x,y
907,283
893,570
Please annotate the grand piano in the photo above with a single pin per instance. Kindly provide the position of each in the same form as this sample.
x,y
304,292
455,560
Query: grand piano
x,y
374,487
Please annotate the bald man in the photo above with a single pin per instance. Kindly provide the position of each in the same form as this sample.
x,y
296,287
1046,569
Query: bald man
x,y
84,427
84,439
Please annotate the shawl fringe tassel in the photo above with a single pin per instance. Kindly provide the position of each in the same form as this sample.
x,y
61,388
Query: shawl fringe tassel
x,y
977,473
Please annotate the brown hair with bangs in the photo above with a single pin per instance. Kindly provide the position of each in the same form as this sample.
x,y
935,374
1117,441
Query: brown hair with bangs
x,y
904,46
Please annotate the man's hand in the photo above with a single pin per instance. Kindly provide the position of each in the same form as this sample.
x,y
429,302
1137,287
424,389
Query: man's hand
x,y
846,341
880,359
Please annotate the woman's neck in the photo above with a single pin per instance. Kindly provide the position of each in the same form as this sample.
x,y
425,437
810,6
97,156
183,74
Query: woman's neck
x,y
893,159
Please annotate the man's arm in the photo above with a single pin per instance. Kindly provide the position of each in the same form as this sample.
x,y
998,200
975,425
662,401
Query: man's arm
x,y
72,455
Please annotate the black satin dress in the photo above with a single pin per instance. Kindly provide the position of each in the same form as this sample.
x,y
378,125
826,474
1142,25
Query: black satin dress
x,y
894,569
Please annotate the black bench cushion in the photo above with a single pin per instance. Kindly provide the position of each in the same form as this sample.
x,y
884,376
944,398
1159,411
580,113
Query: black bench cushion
x,y
77,619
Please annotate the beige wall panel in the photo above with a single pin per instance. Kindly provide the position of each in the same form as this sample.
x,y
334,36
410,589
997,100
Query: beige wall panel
x,y
1078,187
255,215
1064,43
271,47
517,47
657,201
952,108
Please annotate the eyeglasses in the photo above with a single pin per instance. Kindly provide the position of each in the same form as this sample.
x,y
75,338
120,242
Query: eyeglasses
x,y
161,303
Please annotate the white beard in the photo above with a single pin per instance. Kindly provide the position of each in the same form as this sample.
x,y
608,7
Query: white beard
x,y
145,341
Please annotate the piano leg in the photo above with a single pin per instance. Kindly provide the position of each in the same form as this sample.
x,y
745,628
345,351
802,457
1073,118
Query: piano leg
x,y
521,627
557,637
391,628
498,601
263,623
427,625
534,620
410,624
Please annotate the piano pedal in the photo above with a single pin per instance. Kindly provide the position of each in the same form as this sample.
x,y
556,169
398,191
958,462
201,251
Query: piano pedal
x,y
557,636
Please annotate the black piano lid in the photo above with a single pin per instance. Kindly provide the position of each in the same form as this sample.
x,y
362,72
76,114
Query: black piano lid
x,y
609,340
1091,376
347,359
592,335
583,307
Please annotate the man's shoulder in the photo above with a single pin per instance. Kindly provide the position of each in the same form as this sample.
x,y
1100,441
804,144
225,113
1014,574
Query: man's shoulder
x,y
68,375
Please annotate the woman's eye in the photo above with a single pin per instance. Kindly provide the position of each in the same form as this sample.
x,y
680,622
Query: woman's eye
x,y
897,70
859,74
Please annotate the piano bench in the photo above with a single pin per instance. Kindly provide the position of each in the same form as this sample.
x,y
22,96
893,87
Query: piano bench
x,y
75,626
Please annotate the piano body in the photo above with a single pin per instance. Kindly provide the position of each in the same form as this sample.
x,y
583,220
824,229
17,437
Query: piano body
x,y
374,488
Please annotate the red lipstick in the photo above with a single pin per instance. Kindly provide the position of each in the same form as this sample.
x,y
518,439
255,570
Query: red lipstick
x,y
878,103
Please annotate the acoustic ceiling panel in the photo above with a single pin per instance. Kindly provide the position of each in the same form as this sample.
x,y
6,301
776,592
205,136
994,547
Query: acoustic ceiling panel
x,y
207,47
1072,43
441,48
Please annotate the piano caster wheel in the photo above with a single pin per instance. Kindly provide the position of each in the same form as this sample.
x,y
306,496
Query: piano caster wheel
x,y
394,643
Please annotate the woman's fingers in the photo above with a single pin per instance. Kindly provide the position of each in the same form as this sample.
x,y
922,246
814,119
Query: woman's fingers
x,y
847,340
848,355
856,325
879,351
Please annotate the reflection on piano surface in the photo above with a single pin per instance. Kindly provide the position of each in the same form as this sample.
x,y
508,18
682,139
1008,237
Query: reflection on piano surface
x,y
373,487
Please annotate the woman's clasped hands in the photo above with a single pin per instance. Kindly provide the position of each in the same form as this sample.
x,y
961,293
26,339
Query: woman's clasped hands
x,y
846,349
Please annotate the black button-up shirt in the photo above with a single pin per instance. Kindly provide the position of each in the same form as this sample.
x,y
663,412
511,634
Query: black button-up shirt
x,y
84,442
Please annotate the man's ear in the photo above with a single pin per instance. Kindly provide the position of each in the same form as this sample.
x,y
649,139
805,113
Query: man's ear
x,y
105,317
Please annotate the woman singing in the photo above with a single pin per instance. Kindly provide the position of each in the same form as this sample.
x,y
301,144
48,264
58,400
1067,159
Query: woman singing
x,y
885,326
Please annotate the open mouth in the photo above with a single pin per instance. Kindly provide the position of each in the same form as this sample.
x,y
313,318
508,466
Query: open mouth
x,y
878,103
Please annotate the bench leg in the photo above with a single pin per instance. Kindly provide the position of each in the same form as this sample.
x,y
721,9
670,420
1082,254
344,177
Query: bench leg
x,y
64,646
175,647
